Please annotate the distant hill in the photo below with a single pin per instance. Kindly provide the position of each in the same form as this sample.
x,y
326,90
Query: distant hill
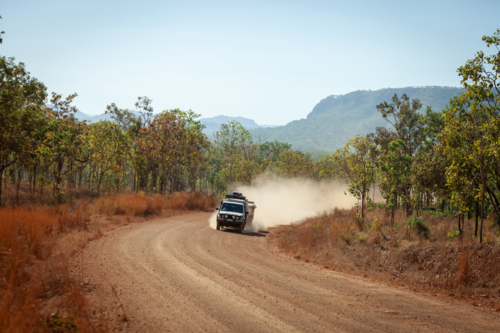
x,y
96,118
337,118
212,124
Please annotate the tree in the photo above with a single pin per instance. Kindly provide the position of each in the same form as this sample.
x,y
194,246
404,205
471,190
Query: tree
x,y
196,144
472,133
325,169
108,148
356,165
293,164
122,117
22,106
403,116
271,150
234,142
60,141
1,33
145,109
429,165
396,172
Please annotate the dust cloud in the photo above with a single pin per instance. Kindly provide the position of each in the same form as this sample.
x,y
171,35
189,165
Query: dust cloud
x,y
286,201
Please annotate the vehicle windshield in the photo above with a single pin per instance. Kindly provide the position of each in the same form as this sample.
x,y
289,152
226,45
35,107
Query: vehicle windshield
x,y
230,207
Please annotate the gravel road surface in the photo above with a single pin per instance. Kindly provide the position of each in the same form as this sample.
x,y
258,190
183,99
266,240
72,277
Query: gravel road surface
x,y
179,275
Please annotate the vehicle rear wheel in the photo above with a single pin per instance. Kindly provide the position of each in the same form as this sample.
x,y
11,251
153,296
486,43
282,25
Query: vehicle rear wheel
x,y
218,225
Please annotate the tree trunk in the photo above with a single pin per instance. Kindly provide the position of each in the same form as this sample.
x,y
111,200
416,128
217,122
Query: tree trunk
x,y
80,176
34,178
477,217
1,179
460,226
482,204
363,195
99,181
17,185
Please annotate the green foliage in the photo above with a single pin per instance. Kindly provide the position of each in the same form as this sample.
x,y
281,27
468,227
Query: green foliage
x,y
361,238
419,225
293,164
453,234
335,119
22,111
416,159
357,167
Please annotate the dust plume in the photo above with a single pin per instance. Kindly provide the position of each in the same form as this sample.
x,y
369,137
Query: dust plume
x,y
285,201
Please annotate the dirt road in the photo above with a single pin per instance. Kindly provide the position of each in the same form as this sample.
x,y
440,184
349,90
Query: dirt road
x,y
179,275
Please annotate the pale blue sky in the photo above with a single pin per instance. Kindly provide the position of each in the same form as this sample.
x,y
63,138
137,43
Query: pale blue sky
x,y
271,61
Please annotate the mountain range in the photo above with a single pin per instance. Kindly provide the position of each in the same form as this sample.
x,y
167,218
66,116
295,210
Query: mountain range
x,y
337,118
332,122
211,124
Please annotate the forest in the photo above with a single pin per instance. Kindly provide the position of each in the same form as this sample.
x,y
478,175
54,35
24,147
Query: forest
x,y
445,157
441,162
336,118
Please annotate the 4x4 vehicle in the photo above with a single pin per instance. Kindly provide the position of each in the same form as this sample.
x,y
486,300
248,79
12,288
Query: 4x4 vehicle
x,y
235,211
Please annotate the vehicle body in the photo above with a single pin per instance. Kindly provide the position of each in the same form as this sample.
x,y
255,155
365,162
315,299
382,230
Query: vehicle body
x,y
235,211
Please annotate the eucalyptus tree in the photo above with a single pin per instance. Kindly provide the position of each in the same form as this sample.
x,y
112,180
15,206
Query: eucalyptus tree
x,y
145,109
357,166
472,134
122,117
291,164
108,147
22,109
395,167
403,115
234,142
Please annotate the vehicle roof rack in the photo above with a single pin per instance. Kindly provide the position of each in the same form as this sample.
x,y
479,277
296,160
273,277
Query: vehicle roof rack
x,y
232,196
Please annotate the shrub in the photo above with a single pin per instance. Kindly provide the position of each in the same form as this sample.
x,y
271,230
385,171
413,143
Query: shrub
x,y
453,234
419,225
30,271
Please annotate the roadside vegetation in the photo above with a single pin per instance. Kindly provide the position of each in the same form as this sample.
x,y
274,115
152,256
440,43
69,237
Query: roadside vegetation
x,y
436,222
63,182
424,254
40,288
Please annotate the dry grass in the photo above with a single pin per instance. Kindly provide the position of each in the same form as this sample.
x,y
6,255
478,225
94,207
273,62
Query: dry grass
x,y
38,290
424,254
11,197
32,269
136,204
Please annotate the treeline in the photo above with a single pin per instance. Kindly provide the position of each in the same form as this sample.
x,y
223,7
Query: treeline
x,y
452,155
44,148
420,159
42,143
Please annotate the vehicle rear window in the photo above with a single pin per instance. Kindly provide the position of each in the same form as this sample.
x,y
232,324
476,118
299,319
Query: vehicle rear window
x,y
230,207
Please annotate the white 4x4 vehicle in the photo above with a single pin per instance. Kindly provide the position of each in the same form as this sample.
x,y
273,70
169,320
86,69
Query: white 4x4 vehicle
x,y
235,211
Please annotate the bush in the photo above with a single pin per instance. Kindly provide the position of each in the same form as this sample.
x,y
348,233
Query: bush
x,y
140,204
30,272
453,234
419,225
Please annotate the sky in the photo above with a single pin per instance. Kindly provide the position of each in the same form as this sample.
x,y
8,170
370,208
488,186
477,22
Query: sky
x,y
271,61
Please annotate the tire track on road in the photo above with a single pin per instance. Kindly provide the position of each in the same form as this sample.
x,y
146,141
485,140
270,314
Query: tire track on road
x,y
178,274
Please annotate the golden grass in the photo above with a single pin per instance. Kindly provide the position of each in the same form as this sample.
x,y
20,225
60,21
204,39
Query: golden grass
x,y
30,270
138,204
429,256
36,248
